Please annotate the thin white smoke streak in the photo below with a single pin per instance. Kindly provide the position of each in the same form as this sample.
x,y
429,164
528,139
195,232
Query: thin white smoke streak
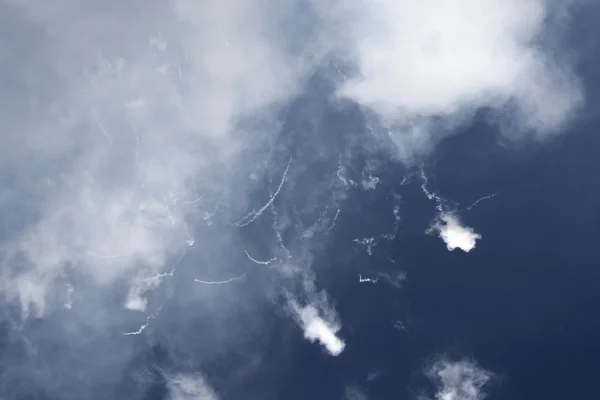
x,y
439,201
431,195
334,219
172,269
108,137
277,226
365,280
168,211
339,70
220,282
267,262
252,216
468,208
145,325
317,226
141,328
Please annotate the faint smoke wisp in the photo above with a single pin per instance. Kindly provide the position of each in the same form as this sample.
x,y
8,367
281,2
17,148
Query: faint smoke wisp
x,y
189,387
461,380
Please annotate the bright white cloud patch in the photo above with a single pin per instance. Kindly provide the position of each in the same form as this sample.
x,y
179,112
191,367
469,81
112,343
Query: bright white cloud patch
x,y
462,380
317,328
189,387
449,228
436,58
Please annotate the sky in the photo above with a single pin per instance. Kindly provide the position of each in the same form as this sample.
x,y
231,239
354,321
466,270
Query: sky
x,y
193,190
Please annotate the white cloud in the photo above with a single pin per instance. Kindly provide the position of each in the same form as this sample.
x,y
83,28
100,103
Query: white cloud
x,y
453,233
189,387
461,380
436,58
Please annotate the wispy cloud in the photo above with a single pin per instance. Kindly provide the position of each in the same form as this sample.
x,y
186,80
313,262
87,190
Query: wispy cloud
x,y
189,387
459,380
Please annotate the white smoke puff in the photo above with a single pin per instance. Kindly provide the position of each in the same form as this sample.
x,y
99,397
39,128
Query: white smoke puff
x,y
453,233
319,326
462,380
436,58
316,328
189,387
